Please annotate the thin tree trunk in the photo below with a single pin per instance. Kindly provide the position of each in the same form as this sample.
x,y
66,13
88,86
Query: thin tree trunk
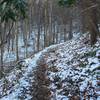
x,y
70,30
17,49
1,51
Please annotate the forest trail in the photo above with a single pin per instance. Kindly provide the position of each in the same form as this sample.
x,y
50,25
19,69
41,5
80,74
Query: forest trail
x,y
71,71
59,72
43,90
42,82
49,49
18,85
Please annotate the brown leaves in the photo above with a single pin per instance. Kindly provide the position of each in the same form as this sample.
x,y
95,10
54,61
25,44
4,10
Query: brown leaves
x,y
42,82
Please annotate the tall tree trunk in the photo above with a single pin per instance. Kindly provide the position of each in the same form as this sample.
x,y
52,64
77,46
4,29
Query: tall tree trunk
x,y
38,39
91,16
1,51
39,26
70,36
45,27
54,32
65,33
94,30
17,47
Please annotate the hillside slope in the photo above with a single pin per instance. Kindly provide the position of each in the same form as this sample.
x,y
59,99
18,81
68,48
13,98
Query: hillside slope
x,y
73,70
70,70
18,84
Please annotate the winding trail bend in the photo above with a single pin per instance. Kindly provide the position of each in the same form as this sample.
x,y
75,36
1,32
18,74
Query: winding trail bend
x,y
26,88
34,82
41,81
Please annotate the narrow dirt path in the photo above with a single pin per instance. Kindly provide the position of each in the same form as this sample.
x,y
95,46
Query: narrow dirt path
x,y
60,87
41,91
42,82
28,81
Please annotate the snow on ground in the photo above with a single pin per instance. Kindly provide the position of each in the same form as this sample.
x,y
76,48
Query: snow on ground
x,y
11,55
17,84
74,68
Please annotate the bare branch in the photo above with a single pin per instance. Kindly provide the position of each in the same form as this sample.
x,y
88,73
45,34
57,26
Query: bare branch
x,y
89,8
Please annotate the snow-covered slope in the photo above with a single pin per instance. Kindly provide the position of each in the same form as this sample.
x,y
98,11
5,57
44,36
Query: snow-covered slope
x,y
74,70
17,85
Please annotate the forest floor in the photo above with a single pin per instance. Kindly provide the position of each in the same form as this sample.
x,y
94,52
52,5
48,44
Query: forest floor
x,y
71,71
18,84
67,71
